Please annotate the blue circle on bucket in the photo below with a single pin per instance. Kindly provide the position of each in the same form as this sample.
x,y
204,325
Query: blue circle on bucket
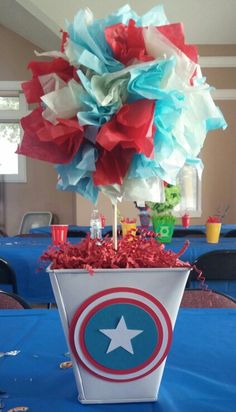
x,y
136,318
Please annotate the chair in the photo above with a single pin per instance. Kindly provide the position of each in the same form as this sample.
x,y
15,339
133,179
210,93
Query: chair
x,y
2,233
110,233
34,235
216,265
230,233
199,298
7,275
32,220
188,233
76,233
12,301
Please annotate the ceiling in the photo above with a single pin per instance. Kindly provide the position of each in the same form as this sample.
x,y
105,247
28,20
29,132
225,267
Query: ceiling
x,y
205,21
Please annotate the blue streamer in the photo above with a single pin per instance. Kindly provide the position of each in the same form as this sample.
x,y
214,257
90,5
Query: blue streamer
x,y
76,176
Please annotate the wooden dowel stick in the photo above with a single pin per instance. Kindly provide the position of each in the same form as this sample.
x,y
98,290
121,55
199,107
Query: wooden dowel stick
x,y
114,226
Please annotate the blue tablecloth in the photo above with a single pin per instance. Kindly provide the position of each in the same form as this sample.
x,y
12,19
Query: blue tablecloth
x,y
74,228
23,254
199,375
46,229
225,228
34,284
198,246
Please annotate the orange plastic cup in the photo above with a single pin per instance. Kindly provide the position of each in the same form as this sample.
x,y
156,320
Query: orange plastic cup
x,y
128,228
59,234
213,232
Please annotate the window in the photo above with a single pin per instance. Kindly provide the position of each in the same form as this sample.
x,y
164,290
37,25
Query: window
x,y
13,106
190,185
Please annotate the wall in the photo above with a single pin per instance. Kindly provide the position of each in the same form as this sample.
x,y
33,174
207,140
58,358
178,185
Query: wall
x,y
218,153
205,19
39,193
219,184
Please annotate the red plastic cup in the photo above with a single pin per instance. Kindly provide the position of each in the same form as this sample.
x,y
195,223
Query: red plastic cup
x,y
59,234
185,220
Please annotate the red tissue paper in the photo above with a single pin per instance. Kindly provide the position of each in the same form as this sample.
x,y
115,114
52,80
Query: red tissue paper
x,y
131,128
128,220
111,167
45,141
213,219
33,89
127,43
175,33
129,131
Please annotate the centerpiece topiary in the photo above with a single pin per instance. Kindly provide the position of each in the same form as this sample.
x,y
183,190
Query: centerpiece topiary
x,y
122,107
162,219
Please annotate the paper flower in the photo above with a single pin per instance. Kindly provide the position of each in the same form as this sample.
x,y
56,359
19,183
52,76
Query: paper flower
x,y
121,108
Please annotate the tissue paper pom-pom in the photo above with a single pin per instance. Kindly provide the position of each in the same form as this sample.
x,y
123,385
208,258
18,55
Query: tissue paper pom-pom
x,y
135,87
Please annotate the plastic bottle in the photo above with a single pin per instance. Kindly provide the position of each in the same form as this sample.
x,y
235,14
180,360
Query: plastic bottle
x,y
95,225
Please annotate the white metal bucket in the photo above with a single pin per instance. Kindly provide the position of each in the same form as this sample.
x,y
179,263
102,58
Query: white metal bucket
x,y
118,324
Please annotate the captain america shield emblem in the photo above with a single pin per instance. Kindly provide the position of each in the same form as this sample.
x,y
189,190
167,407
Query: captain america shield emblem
x,y
120,334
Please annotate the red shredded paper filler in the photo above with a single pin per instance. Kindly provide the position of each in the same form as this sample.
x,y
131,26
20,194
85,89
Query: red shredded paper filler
x,y
213,219
132,252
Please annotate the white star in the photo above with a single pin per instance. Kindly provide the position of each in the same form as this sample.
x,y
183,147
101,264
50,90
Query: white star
x,y
121,336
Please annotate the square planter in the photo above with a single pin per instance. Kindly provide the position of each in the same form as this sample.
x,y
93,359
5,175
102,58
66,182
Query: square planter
x,y
164,228
118,324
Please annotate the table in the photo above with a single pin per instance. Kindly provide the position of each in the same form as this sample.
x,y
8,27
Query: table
x,y
198,246
199,376
23,254
33,281
46,229
225,228
74,228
